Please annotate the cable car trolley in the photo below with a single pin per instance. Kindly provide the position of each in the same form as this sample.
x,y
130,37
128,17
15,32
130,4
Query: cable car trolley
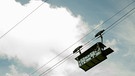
x,y
93,55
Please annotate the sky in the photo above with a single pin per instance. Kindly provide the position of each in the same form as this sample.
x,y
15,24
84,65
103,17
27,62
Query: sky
x,y
56,25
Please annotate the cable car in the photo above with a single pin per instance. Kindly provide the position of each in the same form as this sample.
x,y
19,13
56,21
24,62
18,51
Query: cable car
x,y
93,55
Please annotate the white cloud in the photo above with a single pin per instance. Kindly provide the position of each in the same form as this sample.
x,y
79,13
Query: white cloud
x,y
37,38
46,33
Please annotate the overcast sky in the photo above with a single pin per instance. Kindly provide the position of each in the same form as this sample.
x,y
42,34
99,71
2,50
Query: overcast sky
x,y
55,26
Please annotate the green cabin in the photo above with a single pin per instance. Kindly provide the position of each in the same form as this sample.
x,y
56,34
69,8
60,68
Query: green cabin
x,y
93,56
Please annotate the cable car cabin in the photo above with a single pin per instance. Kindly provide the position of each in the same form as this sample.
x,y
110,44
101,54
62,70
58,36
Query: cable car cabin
x,y
93,56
